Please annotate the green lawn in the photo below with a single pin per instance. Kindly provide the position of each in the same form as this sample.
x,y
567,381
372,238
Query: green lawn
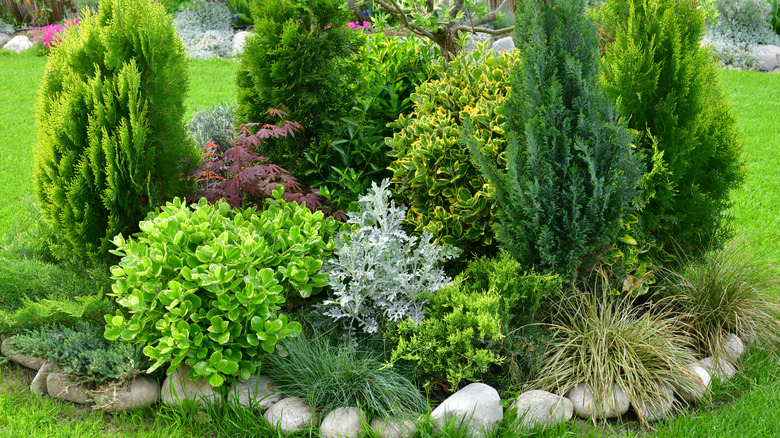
x,y
756,211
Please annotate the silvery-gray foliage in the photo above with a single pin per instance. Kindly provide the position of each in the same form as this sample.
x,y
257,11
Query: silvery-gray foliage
x,y
206,30
214,125
743,24
6,28
378,272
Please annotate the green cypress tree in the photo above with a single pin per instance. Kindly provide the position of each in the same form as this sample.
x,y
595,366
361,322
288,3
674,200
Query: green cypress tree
x,y
110,136
571,173
669,88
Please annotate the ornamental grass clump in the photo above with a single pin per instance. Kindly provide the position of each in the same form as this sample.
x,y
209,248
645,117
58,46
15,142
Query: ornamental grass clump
x,y
728,291
605,341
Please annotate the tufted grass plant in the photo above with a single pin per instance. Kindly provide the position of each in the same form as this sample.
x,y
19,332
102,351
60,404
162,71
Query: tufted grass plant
x,y
606,340
731,290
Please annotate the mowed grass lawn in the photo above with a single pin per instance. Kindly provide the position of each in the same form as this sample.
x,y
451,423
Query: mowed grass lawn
x,y
749,406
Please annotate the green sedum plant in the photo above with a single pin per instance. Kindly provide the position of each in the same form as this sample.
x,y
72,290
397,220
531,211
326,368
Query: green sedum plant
x,y
433,171
110,136
204,284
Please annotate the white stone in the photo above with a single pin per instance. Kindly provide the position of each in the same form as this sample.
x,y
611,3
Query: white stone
x,y
239,40
177,388
659,409
18,44
38,385
343,423
143,391
59,386
477,407
585,406
506,44
733,347
290,415
24,360
537,408
702,377
257,391
393,428
768,56
720,368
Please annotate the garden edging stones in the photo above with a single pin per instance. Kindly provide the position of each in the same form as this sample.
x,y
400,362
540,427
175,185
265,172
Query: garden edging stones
x,y
257,391
290,415
343,423
38,385
61,387
664,407
719,367
177,388
542,408
143,391
582,398
393,428
24,360
18,44
704,379
476,406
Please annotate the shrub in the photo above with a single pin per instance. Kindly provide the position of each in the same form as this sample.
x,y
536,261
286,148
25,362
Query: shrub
x,y
204,284
205,28
471,326
83,353
215,125
743,24
330,376
728,291
302,55
62,311
433,171
110,137
669,90
378,272
571,174
605,341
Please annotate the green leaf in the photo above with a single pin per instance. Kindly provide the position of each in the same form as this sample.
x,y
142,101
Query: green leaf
x,y
216,380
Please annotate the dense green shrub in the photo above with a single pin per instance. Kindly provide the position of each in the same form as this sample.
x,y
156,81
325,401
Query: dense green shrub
x,y
110,136
63,311
204,284
470,326
571,174
433,170
302,55
670,92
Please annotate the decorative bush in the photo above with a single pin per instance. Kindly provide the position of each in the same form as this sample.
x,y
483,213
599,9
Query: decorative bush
x,y
203,284
470,326
302,55
670,91
571,173
215,125
206,29
433,170
110,136
742,25
378,272
57,310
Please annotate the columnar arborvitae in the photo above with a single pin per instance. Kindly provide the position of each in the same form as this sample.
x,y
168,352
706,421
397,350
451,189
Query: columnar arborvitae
x,y
571,173
110,135
669,89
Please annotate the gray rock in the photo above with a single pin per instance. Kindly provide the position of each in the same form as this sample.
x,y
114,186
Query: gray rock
x,y
257,391
143,391
24,360
768,56
239,39
177,388
343,423
506,44
542,408
290,415
59,386
38,385
733,347
393,428
659,409
720,367
18,44
702,376
585,406
476,407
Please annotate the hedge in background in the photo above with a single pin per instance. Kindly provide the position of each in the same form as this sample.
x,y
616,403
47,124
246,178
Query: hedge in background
x,y
111,139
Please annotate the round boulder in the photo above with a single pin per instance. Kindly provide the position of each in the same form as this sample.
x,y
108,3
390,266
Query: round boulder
x,y
257,391
143,391
586,407
177,388
290,415
702,376
477,407
537,408
393,428
343,423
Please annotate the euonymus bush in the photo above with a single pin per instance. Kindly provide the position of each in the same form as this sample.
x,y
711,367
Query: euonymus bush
x,y
204,284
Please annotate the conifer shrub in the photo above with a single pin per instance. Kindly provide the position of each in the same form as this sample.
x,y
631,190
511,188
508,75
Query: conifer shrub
x,y
433,171
670,91
110,135
571,174
302,54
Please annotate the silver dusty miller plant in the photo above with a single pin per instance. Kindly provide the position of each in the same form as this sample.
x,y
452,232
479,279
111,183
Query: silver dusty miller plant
x,y
378,272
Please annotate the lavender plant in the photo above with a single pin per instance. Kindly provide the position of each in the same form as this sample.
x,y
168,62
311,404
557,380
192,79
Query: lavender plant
x,y
378,272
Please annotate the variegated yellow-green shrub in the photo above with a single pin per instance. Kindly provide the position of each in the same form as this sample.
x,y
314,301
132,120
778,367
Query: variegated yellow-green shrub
x,y
432,169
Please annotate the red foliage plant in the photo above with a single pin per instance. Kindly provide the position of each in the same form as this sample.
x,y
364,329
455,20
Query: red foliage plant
x,y
243,177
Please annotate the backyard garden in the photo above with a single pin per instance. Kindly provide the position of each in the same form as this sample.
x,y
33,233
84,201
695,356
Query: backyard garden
x,y
390,218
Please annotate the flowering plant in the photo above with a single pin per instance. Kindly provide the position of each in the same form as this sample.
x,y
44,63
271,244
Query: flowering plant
x,y
356,25
51,35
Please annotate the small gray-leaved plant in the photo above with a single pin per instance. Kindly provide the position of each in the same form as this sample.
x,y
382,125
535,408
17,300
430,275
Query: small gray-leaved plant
x,y
378,272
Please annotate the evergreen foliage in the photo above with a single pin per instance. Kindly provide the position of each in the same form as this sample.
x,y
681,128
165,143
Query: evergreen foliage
x,y
301,55
670,91
571,173
111,139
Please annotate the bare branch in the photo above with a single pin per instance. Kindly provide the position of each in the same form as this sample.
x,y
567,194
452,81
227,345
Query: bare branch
x,y
414,28
470,29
